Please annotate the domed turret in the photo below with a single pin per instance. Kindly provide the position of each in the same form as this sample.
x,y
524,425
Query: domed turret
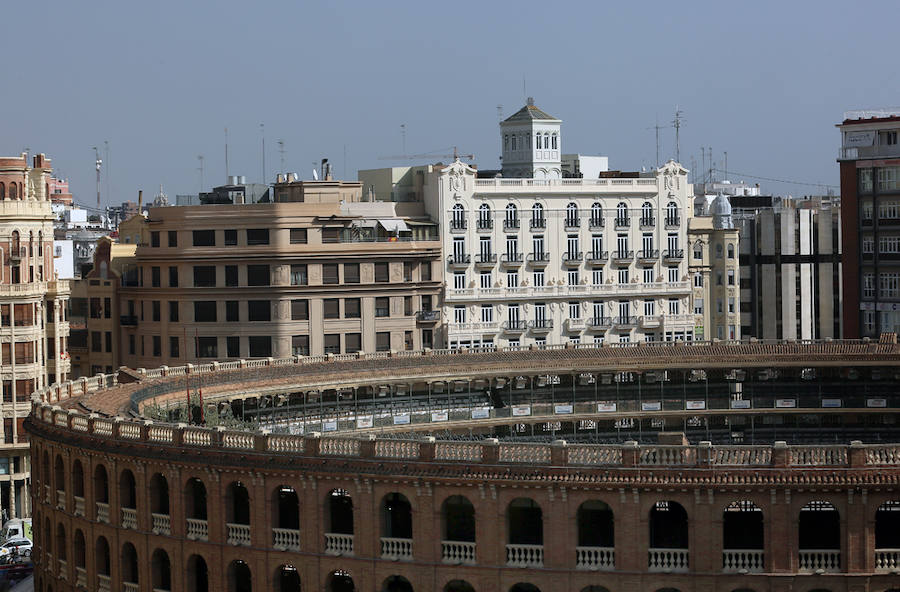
x,y
721,212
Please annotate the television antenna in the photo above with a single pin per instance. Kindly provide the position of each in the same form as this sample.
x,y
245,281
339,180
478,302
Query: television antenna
x,y
677,123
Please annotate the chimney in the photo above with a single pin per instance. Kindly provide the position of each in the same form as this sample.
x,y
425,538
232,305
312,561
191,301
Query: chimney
x,y
140,201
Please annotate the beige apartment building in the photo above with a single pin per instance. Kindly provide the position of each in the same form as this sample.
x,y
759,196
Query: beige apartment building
x,y
331,274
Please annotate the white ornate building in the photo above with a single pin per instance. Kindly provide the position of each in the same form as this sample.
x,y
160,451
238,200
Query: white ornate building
x,y
532,144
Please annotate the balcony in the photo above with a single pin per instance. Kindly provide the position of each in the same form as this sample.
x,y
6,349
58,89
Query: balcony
x,y
459,261
650,321
538,223
541,325
129,518
887,559
458,225
648,221
79,505
485,259
513,326
472,328
648,254
338,544
673,254
622,256
629,321
509,224
573,223
575,325
458,552
286,539
667,560
238,534
573,259
743,561
396,549
16,254
598,323
428,316
539,259
197,529
128,320
525,555
511,259
623,222
595,558
596,222
673,221
886,151
103,512
827,560
597,257
160,524
482,224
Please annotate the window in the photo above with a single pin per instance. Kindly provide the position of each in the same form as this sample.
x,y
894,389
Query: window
x,y
459,281
407,306
623,276
230,238
597,276
718,251
698,280
718,278
408,340
298,236
730,250
572,251
647,214
674,306
537,246
553,143
156,311
888,285
205,311
173,311
459,249
484,216
426,302
173,242
233,346
331,235
131,341
259,310
485,280
730,277
537,216
512,279
672,243
596,214
382,273
207,347
487,313
173,348
257,236
537,277
382,341
572,214
231,275
573,277
331,308
624,309
672,218
300,345
427,339
622,245
205,276
155,277
382,306
154,238
512,217
330,273
648,275
204,238
698,306
299,276
408,267
299,310
649,308
96,341
352,342
698,250
173,277
731,304
459,314
260,346
622,214
425,271
352,308
674,275
458,217
351,273
887,138
258,275
574,310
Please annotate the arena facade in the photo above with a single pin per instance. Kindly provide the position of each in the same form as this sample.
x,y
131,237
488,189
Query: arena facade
x,y
715,467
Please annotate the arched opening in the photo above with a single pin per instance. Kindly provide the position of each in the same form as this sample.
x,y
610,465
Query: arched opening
x,y
668,537
819,537
396,527
647,214
47,538
197,574
2,190
195,509
672,214
159,504
128,499
742,537
484,216
458,517
621,214
596,536
59,476
129,566
458,586
237,513
101,493
525,533
537,216
730,250
161,570
572,214
339,522
512,217
887,535
523,587
396,584
78,550
287,579
101,559
286,530
61,551
13,191
78,482
340,581
458,217
239,577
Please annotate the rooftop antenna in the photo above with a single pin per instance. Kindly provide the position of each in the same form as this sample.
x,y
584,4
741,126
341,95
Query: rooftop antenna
x,y
262,130
711,165
703,160
281,152
499,112
226,156
106,155
524,91
676,123
99,163
403,136
656,127
725,172
200,168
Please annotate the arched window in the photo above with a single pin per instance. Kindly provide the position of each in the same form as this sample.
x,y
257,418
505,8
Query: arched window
x,y
647,214
513,142
742,537
239,577
197,574
101,493
718,251
546,141
537,141
506,141
819,537
458,586
286,517
61,544
101,557
524,587
887,534
484,216
672,218
159,503
16,243
596,215
339,522
622,214
512,216
553,142
13,191
161,570
698,250
396,519
340,581
572,214
59,474
40,243
396,584
78,550
288,579
458,217
537,216
731,250
668,537
596,536
2,190
525,533
129,565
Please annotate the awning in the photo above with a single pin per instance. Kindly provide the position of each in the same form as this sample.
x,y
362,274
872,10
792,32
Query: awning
x,y
393,225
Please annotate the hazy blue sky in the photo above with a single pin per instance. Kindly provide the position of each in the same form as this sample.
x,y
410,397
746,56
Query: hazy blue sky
x,y
160,81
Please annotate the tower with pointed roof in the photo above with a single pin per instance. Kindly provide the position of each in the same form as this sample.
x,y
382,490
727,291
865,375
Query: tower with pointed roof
x,y
532,144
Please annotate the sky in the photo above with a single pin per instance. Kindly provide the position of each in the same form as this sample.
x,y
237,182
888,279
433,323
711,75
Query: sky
x,y
160,81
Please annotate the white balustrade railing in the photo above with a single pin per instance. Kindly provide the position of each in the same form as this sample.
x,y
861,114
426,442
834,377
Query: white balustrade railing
x,y
743,560
103,512
339,446
62,569
396,449
238,534
828,560
79,505
667,560
103,583
525,453
394,548
594,455
458,552
338,544
47,497
129,518
286,539
130,587
819,455
60,499
525,555
599,558
197,530
80,577
461,451
161,523
666,455
887,559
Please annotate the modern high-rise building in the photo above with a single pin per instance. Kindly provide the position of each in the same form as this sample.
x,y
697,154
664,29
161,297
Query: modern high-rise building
x,y
33,306
869,161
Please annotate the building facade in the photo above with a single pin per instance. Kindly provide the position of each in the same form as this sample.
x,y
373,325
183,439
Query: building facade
x,y
33,315
303,277
869,162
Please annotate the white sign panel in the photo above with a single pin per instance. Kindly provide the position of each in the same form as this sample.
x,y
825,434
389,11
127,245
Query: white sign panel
x,y
785,403
881,403
401,419
521,410
563,409
854,139
481,413
694,405
364,422
741,404
295,429
651,406
329,426
605,406
440,416
831,403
